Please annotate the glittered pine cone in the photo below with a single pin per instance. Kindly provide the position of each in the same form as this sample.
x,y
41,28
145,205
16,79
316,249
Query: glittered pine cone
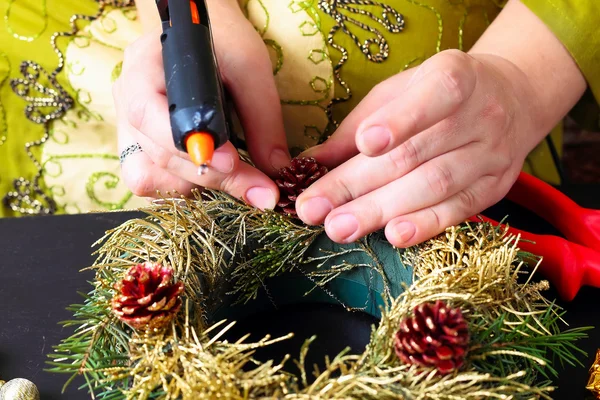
x,y
147,298
294,180
436,336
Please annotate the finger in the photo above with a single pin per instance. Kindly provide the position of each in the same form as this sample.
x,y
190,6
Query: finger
x,y
146,51
149,113
341,146
139,94
419,226
148,117
435,96
356,177
225,159
143,177
233,176
248,74
434,181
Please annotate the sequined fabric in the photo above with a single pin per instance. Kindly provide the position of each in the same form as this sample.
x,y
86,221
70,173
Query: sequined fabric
x,y
57,122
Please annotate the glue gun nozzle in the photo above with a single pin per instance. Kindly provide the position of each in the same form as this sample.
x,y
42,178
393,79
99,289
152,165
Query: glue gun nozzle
x,y
200,147
203,169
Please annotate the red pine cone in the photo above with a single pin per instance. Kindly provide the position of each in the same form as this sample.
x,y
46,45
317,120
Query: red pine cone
x,y
294,180
436,336
146,297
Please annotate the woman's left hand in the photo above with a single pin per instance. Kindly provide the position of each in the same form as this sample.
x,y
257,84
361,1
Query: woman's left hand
x,y
426,149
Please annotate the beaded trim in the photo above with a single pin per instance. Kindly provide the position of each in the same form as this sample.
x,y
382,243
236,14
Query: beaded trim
x,y
334,9
28,197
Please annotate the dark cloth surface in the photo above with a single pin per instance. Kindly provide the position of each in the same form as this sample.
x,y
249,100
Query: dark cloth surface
x,y
40,258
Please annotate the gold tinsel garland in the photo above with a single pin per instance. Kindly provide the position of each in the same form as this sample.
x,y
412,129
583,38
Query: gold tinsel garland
x,y
474,267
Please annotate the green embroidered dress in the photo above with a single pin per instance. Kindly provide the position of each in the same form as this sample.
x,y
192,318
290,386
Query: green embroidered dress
x,y
58,151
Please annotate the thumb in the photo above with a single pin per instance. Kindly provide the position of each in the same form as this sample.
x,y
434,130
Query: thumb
x,y
247,72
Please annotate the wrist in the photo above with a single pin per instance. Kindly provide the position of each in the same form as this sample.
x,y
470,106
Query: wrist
x,y
537,66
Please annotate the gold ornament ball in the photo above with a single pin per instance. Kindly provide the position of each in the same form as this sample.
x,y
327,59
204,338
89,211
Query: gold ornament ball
x,y
19,389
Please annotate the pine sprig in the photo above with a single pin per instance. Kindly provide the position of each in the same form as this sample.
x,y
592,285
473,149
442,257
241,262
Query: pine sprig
x,y
267,243
100,341
271,259
177,233
499,349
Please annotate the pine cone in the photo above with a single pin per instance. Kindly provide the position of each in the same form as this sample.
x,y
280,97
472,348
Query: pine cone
x,y
295,179
436,336
146,297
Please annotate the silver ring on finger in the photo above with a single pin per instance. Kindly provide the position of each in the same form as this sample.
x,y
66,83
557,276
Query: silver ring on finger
x,y
129,150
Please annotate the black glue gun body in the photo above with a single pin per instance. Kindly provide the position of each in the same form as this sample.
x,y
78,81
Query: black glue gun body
x,y
194,89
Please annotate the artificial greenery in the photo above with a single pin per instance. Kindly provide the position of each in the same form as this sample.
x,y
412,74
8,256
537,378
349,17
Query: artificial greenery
x,y
220,248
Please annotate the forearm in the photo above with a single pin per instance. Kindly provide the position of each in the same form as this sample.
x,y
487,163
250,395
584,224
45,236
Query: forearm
x,y
520,37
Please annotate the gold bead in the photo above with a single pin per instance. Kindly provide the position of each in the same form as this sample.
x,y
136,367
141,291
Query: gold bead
x,y
19,389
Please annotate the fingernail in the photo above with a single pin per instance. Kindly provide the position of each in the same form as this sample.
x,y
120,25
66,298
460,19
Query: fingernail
x,y
261,198
404,231
279,159
342,227
374,139
314,210
222,162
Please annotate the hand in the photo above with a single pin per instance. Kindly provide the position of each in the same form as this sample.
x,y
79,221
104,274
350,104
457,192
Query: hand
x,y
143,116
435,146
442,142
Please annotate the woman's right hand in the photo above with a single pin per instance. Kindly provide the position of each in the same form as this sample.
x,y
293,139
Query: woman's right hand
x,y
143,116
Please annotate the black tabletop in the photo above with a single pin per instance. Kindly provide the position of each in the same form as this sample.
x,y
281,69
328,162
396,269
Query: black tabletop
x,y
40,258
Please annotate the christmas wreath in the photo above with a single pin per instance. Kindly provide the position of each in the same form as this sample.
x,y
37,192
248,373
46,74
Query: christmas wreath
x,y
459,316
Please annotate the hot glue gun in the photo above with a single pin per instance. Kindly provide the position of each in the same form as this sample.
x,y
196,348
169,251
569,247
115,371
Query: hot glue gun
x,y
200,121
